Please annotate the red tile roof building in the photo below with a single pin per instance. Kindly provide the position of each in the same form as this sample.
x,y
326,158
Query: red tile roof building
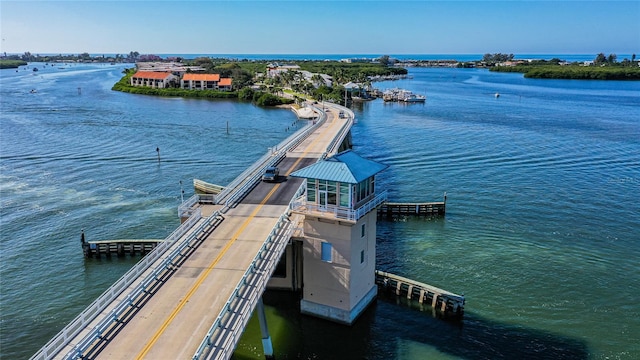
x,y
162,79
154,79
205,82
225,84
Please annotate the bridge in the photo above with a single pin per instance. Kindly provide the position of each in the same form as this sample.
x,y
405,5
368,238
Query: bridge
x,y
192,296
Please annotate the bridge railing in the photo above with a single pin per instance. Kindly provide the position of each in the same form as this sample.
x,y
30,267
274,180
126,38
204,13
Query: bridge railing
x,y
156,276
237,311
58,342
344,130
250,176
252,181
187,208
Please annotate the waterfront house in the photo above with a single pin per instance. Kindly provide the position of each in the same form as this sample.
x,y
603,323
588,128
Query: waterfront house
x,y
154,79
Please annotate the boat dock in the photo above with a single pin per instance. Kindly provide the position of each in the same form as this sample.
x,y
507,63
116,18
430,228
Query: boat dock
x,y
449,304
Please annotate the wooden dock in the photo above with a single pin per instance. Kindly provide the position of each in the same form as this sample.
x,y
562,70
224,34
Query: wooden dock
x,y
120,247
390,210
447,303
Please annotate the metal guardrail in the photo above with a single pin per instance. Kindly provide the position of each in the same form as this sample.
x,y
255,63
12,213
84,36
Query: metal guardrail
x,y
148,282
253,180
219,341
186,208
58,342
251,175
346,127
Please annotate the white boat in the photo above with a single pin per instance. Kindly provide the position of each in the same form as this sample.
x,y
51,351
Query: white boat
x,y
402,95
411,98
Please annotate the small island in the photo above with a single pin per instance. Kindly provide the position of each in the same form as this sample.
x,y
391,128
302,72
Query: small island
x,y
265,83
601,68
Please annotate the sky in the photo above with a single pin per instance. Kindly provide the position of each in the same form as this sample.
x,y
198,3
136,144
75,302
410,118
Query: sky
x,y
320,27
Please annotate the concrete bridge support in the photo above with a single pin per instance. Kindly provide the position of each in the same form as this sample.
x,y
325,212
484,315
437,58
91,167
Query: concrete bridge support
x,y
266,338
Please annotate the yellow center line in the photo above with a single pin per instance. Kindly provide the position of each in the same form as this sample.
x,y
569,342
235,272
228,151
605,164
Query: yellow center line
x,y
304,154
209,268
203,276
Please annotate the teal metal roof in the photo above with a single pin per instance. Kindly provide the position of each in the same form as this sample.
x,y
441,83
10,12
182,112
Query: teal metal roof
x,y
345,167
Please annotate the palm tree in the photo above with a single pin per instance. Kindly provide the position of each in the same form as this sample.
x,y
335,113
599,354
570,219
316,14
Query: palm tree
x,y
317,80
338,76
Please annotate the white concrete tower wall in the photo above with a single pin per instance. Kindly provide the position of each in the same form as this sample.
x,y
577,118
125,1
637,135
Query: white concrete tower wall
x,y
341,287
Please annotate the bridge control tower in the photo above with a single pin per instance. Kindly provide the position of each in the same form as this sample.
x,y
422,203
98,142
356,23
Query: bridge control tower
x,y
339,242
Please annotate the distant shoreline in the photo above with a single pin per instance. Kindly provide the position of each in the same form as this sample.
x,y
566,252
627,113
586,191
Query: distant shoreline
x,y
302,57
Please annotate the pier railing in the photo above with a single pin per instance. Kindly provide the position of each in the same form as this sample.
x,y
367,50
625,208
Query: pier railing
x,y
441,300
188,207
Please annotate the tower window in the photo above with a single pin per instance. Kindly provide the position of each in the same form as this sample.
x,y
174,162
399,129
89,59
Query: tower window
x,y
326,252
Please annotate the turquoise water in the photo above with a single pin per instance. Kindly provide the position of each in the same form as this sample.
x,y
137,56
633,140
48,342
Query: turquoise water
x,y
541,233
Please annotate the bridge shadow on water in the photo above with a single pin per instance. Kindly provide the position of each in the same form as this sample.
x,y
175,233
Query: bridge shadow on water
x,y
393,328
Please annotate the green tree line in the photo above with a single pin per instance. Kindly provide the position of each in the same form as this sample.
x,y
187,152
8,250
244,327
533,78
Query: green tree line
x,y
573,72
602,68
11,64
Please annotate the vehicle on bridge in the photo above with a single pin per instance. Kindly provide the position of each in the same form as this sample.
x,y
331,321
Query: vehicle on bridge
x,y
271,174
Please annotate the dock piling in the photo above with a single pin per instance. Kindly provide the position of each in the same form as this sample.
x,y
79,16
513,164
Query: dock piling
x,y
447,303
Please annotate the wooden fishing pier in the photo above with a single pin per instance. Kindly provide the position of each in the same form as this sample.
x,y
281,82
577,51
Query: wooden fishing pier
x,y
447,303
390,210
119,247
427,209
